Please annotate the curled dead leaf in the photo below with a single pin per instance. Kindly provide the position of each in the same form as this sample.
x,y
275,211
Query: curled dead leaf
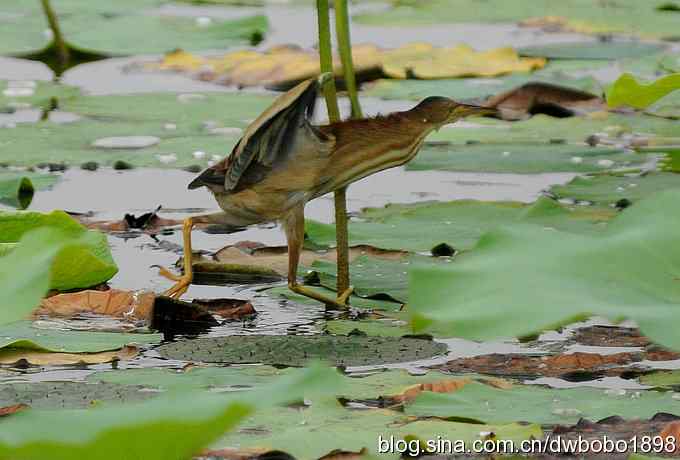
x,y
13,409
672,430
536,97
232,309
282,67
563,365
132,305
21,356
426,62
440,386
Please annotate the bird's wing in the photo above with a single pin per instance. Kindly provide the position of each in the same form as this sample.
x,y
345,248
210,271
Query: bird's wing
x,y
267,139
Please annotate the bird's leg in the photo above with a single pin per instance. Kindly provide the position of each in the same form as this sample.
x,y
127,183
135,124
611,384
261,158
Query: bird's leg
x,y
182,282
294,225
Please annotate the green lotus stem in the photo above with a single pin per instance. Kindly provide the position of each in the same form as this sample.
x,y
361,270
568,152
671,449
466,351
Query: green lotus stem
x,y
340,195
345,49
326,60
63,53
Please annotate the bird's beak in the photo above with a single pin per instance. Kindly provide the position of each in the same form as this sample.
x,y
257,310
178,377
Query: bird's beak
x,y
468,110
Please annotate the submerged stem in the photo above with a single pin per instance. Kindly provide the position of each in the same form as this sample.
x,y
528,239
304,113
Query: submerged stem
x,y
345,51
63,53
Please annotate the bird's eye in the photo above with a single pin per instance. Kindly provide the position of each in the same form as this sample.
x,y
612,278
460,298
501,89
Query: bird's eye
x,y
424,120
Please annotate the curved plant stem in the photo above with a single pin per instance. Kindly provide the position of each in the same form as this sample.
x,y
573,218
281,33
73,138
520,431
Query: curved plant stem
x,y
345,49
62,51
326,58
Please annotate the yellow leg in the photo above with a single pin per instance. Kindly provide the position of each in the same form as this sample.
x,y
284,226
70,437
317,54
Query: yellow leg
x,y
182,282
294,225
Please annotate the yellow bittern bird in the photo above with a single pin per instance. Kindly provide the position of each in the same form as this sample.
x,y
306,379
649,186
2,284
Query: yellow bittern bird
x,y
283,161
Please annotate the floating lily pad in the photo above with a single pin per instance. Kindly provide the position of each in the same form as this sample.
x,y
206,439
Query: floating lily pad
x,y
288,430
300,350
195,121
601,50
77,266
355,301
68,395
233,378
541,128
470,88
457,223
173,426
665,379
522,158
370,277
534,404
628,91
629,270
27,268
17,189
627,16
23,334
124,28
374,328
608,189
15,94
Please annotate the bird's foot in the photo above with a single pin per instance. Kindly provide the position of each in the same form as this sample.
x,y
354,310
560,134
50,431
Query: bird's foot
x,y
339,303
181,285
342,298
178,290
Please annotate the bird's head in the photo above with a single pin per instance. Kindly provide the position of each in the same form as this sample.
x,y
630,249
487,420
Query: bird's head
x,y
439,111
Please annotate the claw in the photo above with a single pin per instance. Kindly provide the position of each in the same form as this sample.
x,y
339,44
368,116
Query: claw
x,y
165,273
342,298
179,288
336,304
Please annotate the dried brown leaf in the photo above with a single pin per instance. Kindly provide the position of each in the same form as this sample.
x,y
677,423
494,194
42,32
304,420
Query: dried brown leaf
x,y
132,305
19,356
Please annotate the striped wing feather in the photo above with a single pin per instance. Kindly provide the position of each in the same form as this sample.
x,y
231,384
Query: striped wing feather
x,y
266,140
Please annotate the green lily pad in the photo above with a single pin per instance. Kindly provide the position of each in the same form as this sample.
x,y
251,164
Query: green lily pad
x,y
230,378
17,189
300,350
522,158
374,328
68,395
35,94
472,88
76,266
355,301
317,430
184,124
607,189
457,223
26,270
671,160
174,426
663,379
127,27
534,404
627,16
601,50
541,128
627,91
521,279
22,334
370,277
